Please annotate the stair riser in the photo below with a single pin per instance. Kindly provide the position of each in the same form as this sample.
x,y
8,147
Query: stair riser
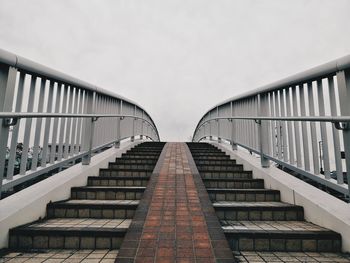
x,y
143,157
64,242
106,195
244,197
112,173
117,182
135,161
234,185
211,158
283,244
208,168
97,213
258,215
228,175
213,162
131,166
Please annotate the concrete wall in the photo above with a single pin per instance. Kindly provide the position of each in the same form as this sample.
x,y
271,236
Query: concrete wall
x,y
319,207
30,204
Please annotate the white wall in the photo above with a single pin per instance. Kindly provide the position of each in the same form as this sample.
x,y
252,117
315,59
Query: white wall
x,y
319,207
30,204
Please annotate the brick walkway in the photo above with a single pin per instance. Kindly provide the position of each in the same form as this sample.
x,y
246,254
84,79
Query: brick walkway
x,y
175,221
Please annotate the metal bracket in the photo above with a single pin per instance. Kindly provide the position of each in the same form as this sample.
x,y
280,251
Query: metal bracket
x,y
122,118
10,122
257,121
230,120
94,118
344,126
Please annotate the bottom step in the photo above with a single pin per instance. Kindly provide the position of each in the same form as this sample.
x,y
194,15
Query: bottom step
x,y
70,234
59,255
280,236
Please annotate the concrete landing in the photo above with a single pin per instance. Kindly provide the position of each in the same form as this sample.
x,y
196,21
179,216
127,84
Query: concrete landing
x,y
175,221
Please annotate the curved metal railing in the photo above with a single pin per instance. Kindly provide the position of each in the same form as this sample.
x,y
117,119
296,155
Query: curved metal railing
x,y
301,122
49,119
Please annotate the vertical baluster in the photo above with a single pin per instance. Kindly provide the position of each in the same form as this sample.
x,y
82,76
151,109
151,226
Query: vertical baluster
x,y
314,145
335,132
290,128
53,151
283,127
36,147
89,125
69,123
8,77
78,136
304,128
273,125
296,126
28,127
63,122
45,158
262,131
74,122
324,138
343,78
15,130
278,126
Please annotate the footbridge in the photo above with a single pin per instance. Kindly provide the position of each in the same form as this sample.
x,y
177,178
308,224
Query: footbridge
x,y
85,177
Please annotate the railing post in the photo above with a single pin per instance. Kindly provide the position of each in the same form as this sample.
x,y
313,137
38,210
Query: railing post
x,y
263,130
233,143
133,125
119,119
89,126
7,89
343,78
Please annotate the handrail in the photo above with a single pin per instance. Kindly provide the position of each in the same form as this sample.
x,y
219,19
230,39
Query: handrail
x,y
290,124
314,73
70,118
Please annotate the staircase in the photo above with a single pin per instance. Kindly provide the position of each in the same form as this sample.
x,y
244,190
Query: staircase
x,y
98,215
254,218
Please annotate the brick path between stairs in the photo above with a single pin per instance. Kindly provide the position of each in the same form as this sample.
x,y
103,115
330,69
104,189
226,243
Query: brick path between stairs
x,y
175,220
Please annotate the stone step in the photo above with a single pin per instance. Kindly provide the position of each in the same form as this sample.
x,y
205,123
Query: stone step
x,y
135,161
202,151
132,167
70,233
139,156
214,154
234,183
151,150
125,172
107,193
243,195
219,158
226,175
258,211
215,162
106,209
137,153
280,236
117,181
220,168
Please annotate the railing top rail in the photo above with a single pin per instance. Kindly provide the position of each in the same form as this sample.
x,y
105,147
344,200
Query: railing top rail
x,y
301,77
42,71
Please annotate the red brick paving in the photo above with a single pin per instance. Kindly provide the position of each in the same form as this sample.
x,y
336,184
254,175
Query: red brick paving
x,y
170,224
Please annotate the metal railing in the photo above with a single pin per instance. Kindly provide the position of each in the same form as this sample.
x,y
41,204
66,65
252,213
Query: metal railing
x,y
290,122
58,119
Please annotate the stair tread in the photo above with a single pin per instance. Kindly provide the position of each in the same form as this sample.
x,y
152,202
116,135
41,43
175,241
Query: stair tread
x,y
293,227
81,224
252,204
240,190
98,202
110,187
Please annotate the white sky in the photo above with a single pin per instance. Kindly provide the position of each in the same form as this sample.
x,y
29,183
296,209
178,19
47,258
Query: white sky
x,y
177,58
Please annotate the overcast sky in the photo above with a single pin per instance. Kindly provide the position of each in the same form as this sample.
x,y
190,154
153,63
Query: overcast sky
x,y
177,58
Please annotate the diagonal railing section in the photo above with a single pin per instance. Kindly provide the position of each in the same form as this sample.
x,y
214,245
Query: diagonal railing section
x,y
301,123
49,119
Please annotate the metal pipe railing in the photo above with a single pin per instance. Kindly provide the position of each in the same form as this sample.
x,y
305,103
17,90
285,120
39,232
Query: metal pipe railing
x,y
49,119
285,122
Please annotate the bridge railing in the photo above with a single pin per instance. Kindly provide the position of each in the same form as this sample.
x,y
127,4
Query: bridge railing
x,y
49,119
301,123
